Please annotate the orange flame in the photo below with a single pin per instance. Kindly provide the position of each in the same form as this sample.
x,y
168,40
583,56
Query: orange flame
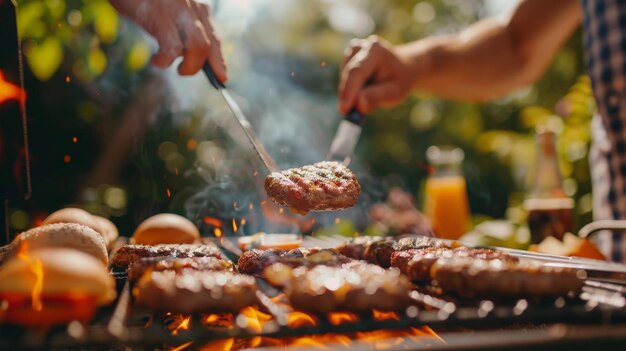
x,y
9,91
336,318
181,347
37,269
385,315
212,221
299,319
234,226
180,322
221,345
218,320
243,222
254,319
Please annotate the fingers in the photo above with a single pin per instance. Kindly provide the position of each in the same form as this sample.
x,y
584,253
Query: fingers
x,y
170,45
361,68
384,94
215,57
353,47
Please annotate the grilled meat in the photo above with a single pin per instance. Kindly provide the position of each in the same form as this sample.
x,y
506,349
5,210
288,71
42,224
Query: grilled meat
x,y
324,186
470,277
417,263
380,252
253,262
353,287
159,264
355,248
193,291
130,253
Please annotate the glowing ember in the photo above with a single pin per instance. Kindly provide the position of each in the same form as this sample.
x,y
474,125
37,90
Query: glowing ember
x,y
336,318
168,192
218,320
9,91
180,323
234,226
217,232
67,158
74,140
219,345
37,269
243,222
212,221
67,79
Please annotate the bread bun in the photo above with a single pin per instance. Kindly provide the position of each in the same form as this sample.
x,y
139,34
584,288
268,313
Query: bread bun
x,y
100,224
107,229
166,228
65,271
67,235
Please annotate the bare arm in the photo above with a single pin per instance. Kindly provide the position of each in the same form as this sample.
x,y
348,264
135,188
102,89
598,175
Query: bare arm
x,y
485,61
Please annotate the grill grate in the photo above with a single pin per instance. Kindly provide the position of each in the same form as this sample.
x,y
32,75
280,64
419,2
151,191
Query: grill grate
x,y
599,304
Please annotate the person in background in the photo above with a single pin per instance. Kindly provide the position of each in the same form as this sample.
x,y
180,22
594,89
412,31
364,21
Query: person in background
x,y
183,28
497,55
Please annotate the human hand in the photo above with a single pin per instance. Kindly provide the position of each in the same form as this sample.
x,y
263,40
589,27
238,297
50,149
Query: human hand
x,y
375,74
182,28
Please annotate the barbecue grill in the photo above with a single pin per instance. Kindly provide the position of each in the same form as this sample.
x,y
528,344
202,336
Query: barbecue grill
x,y
596,317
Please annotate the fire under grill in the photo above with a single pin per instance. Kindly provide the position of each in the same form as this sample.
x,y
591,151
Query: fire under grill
x,y
597,317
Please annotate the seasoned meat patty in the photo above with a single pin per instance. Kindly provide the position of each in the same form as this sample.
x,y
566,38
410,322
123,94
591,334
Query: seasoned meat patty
x,y
470,277
253,262
130,253
355,248
353,287
324,186
192,291
159,264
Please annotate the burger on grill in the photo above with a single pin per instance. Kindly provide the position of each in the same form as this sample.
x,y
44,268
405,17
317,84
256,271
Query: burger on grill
x,y
51,286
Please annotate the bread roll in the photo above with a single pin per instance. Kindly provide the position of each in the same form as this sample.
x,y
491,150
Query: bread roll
x,y
65,271
100,224
67,235
108,230
166,228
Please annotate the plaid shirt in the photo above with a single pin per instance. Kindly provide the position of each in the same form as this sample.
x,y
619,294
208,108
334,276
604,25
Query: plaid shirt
x,y
604,36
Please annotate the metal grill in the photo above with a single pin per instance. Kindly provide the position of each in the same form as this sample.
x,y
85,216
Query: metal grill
x,y
597,315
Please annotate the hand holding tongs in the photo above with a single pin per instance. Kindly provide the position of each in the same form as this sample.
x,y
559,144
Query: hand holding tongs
x,y
268,161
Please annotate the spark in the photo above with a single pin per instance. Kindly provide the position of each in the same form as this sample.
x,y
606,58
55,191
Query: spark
x,y
74,140
217,232
168,192
68,79
67,158
234,226
181,347
213,221
243,222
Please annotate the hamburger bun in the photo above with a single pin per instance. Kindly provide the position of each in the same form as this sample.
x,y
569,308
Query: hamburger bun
x,y
107,229
67,235
72,283
166,228
77,215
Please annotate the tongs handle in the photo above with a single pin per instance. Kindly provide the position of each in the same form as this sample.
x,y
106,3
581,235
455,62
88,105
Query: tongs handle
x,y
614,225
355,117
211,76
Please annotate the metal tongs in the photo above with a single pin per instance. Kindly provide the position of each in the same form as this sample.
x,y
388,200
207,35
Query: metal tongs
x,y
265,157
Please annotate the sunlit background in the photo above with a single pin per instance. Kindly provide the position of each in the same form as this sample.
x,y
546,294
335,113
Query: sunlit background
x,y
125,140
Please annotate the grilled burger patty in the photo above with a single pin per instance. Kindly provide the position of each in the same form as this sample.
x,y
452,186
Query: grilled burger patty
x,y
130,253
159,264
353,287
193,291
254,262
469,277
324,186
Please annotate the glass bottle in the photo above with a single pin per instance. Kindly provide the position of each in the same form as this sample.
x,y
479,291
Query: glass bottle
x,y
445,200
550,210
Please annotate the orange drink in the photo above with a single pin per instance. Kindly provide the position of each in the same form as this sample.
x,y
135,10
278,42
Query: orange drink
x,y
445,200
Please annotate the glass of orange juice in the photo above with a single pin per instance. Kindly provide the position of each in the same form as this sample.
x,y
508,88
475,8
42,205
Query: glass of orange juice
x,y
445,199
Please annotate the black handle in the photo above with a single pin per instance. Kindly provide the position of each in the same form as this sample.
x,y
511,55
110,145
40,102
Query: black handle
x,y
208,71
355,117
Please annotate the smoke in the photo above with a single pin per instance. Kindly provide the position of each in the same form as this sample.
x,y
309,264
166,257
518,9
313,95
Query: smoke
x,y
287,89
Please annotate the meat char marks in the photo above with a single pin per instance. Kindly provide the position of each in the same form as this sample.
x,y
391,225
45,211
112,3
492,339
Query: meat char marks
x,y
255,261
324,186
353,287
159,264
127,254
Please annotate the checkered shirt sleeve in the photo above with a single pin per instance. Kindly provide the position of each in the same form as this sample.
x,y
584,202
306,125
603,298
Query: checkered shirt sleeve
x,y
604,41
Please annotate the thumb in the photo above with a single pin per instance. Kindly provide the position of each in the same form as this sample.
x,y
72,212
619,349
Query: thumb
x,y
384,94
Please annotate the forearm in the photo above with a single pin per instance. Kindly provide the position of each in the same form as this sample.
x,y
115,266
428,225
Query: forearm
x,y
494,56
